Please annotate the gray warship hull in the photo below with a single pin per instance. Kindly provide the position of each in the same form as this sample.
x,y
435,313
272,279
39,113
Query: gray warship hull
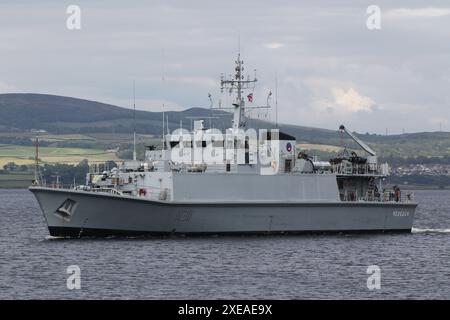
x,y
101,214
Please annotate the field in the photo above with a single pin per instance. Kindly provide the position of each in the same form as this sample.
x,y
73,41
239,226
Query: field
x,y
90,140
93,137
25,155
320,147
65,137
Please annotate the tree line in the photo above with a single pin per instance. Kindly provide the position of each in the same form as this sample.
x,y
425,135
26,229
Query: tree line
x,y
65,173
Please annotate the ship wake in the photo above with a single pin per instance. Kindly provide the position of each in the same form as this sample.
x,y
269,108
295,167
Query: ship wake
x,y
430,230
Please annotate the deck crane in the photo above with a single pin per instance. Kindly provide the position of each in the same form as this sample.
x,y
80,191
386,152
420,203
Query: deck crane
x,y
364,146
372,159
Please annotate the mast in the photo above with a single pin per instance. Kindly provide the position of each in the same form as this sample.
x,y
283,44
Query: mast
x,y
38,178
134,120
239,104
163,79
36,160
276,102
237,85
163,133
167,125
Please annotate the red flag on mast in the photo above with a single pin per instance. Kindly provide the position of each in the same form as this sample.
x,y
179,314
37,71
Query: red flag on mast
x,y
250,97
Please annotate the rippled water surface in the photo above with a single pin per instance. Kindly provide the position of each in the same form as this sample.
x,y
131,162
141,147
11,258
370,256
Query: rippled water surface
x,y
33,265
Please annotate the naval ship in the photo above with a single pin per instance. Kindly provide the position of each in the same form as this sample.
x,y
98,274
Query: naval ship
x,y
204,181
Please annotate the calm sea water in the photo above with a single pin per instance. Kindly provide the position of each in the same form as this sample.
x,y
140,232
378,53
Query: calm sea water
x,y
33,265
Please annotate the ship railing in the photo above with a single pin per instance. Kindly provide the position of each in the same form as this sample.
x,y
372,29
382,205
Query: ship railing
x,y
71,186
56,185
357,169
97,167
147,192
386,196
108,190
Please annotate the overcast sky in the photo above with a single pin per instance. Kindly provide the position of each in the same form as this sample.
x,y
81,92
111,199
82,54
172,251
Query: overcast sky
x,y
331,68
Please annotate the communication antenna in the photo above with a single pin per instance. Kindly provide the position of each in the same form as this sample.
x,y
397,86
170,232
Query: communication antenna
x,y
269,95
163,132
36,160
134,120
276,102
239,42
163,85
210,100
167,125
38,179
211,105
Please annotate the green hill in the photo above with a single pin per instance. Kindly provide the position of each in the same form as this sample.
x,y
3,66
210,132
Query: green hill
x,y
65,115
19,113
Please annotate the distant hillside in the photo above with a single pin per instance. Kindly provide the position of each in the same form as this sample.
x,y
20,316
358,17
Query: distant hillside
x,y
57,114
65,115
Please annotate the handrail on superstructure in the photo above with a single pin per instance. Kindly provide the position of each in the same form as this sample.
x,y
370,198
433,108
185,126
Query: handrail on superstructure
x,y
357,169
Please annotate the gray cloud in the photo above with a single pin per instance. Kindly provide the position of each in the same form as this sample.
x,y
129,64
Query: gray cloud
x,y
330,67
